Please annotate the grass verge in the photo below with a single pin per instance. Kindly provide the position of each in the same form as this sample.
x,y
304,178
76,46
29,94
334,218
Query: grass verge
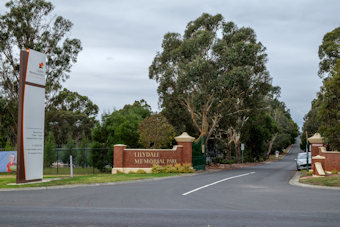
x,y
76,171
84,179
331,180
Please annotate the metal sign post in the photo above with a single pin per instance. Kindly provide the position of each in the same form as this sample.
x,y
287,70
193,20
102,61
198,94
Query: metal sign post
x,y
307,150
242,149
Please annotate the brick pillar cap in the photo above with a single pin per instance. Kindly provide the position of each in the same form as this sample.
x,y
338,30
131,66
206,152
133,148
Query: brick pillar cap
x,y
322,149
119,145
316,138
318,157
184,138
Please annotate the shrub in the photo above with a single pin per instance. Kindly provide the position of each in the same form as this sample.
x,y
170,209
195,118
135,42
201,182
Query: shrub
x,y
178,168
131,172
157,169
168,169
187,168
141,171
334,171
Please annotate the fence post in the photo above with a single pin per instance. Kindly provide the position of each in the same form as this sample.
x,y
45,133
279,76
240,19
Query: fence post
x,y
57,162
71,166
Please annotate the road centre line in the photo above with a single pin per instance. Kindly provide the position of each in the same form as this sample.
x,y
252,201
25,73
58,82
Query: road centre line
x,y
225,179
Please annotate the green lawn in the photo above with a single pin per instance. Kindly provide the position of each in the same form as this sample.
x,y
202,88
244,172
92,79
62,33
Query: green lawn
x,y
81,179
76,171
332,180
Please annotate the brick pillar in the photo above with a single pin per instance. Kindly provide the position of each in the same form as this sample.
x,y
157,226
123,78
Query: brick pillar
x,y
186,141
316,141
320,159
118,155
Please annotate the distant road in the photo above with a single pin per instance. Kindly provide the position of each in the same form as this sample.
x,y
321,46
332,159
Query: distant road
x,y
255,196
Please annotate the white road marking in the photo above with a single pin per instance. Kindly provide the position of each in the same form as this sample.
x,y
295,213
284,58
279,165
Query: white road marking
x,y
225,179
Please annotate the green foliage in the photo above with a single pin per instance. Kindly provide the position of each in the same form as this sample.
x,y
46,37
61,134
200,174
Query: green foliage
x,y
50,152
69,150
70,112
156,132
82,156
257,131
329,52
28,24
121,126
311,123
8,146
8,120
210,73
31,24
140,171
334,171
324,114
101,157
177,168
329,109
287,130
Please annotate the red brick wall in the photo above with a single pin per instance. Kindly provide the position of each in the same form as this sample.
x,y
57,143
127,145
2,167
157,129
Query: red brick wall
x,y
322,161
315,148
146,158
187,152
143,158
118,154
332,161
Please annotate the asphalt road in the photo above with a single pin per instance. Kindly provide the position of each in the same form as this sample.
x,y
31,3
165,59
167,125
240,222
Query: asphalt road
x,y
254,196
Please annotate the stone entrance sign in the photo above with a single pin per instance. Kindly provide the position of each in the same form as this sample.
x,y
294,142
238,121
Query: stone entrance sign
x,y
126,160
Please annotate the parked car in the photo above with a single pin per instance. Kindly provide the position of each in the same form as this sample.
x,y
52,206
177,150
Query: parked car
x,y
301,160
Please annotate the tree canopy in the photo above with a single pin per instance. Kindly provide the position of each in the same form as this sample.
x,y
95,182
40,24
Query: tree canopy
x,y
329,52
156,132
212,71
70,113
121,126
329,109
324,114
31,24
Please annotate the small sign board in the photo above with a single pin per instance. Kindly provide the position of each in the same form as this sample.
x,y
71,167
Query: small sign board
x,y
242,146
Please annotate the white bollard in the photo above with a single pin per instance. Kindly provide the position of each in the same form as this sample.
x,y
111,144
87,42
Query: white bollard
x,y
71,166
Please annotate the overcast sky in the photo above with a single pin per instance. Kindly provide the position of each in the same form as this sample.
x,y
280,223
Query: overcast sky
x,y
121,38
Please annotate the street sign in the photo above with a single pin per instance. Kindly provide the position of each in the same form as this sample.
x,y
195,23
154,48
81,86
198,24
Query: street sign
x,y
242,149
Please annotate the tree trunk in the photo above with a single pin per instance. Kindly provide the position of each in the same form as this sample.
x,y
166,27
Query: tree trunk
x,y
270,144
237,144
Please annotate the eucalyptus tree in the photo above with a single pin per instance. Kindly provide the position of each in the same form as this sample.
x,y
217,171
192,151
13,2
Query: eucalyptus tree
x,y
31,24
329,52
285,131
324,113
329,110
212,71
70,114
